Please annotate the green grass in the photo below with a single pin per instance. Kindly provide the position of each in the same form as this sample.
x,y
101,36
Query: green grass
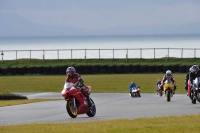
x,y
25,101
172,124
99,82
68,62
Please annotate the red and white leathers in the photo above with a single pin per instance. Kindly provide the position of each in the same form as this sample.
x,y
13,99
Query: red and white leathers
x,y
71,82
74,81
170,78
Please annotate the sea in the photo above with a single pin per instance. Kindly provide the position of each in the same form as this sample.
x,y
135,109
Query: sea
x,y
100,47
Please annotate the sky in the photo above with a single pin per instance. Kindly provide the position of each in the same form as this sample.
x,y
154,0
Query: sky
x,y
102,17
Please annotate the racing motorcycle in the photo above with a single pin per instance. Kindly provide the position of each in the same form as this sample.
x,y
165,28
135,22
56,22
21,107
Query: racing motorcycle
x,y
159,90
77,103
194,90
196,85
135,92
168,90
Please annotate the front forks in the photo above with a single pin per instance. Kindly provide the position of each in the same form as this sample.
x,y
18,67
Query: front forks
x,y
74,102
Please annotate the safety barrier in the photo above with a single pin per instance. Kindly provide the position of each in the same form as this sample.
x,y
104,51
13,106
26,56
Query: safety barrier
x,y
95,69
126,53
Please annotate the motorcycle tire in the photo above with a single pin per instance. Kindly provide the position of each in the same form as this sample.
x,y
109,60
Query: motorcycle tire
x,y
194,100
198,96
132,95
73,112
168,95
92,110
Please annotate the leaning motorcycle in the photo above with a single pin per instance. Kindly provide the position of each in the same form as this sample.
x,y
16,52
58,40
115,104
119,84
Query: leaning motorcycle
x,y
135,92
168,90
196,85
77,103
194,90
191,91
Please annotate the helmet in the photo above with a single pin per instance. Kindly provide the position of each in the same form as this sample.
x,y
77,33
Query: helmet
x,y
195,68
70,71
132,83
159,81
191,69
168,73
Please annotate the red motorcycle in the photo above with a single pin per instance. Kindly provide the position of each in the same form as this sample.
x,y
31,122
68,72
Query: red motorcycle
x,y
159,90
77,103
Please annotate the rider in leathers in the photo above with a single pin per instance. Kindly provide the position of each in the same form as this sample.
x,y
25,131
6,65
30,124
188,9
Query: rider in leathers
x,y
194,74
77,81
168,76
187,76
132,87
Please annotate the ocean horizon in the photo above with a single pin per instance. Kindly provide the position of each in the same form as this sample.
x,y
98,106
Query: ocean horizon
x,y
95,46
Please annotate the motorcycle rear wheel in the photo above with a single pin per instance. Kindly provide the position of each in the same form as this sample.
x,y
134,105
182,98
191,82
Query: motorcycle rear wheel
x,y
72,111
92,111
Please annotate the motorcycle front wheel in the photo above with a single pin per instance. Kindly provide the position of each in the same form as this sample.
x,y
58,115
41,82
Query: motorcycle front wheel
x,y
168,95
72,111
92,110
198,96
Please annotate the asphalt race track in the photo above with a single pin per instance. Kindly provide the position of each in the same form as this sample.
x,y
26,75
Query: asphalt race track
x,y
109,106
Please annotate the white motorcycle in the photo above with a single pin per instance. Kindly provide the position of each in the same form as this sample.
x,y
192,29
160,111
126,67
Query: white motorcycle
x,y
135,92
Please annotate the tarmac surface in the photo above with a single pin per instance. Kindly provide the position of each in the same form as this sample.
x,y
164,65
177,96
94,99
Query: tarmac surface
x,y
108,106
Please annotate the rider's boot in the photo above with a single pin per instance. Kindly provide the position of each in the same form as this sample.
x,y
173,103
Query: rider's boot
x,y
186,89
89,102
174,89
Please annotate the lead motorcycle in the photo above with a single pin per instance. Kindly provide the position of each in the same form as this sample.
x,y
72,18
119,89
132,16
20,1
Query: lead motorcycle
x,y
77,103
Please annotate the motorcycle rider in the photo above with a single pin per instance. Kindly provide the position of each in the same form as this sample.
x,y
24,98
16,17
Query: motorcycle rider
x,y
168,76
195,73
191,70
76,80
132,86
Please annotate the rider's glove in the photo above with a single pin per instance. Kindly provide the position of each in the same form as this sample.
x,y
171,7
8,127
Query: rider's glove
x,y
84,87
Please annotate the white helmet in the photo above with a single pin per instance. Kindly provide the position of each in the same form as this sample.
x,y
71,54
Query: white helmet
x,y
195,68
191,69
168,73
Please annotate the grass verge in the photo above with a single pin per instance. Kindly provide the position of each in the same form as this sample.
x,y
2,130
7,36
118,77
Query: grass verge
x,y
25,101
172,124
99,82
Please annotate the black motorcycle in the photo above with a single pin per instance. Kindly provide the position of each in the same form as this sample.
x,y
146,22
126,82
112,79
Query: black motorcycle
x,y
196,90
